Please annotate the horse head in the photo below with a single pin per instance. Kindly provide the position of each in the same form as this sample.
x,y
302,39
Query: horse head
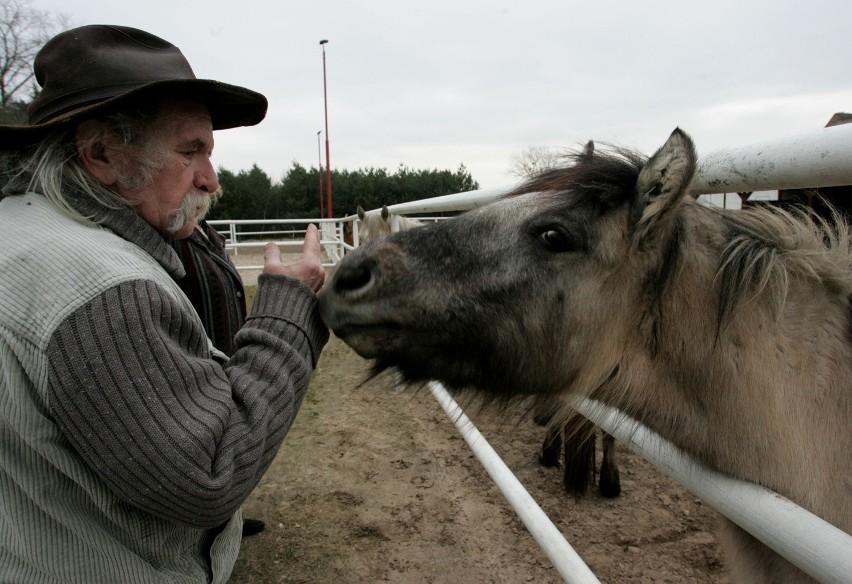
x,y
374,224
377,224
514,295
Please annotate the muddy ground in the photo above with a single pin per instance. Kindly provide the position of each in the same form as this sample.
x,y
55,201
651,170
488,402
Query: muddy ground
x,y
374,484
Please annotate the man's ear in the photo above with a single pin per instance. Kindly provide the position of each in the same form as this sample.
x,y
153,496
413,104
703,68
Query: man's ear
x,y
95,155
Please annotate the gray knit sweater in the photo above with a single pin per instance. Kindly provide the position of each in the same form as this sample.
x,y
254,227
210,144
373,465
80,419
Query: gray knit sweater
x,y
126,448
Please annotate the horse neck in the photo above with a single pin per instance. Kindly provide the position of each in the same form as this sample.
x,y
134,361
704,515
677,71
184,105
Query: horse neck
x,y
757,396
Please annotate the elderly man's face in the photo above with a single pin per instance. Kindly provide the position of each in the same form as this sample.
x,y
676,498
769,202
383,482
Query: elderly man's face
x,y
178,196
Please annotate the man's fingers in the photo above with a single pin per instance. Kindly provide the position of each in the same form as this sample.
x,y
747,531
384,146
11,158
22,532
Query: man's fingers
x,y
308,269
271,254
311,247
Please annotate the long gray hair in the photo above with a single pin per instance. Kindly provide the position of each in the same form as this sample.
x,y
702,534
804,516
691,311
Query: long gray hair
x,y
53,168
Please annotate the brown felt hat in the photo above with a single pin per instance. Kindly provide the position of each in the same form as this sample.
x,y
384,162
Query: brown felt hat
x,y
97,67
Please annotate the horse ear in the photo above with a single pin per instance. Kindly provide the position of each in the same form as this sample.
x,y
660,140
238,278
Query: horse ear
x,y
385,212
589,149
662,185
361,213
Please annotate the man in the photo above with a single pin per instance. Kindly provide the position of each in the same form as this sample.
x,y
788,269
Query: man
x,y
127,441
214,287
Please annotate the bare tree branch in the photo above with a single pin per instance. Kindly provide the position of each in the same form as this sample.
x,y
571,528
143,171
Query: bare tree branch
x,y
533,160
23,31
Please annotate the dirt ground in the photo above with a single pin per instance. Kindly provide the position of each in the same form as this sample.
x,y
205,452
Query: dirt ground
x,y
374,484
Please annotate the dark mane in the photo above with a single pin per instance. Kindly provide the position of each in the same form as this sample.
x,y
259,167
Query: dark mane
x,y
768,247
604,177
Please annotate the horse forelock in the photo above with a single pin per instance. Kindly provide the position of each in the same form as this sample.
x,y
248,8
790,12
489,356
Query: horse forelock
x,y
608,178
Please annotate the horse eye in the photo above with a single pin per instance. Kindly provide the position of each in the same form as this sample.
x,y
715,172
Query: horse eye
x,y
554,240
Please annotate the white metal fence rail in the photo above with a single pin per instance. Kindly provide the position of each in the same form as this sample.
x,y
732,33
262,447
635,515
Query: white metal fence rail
x,y
815,159
244,234
563,557
814,545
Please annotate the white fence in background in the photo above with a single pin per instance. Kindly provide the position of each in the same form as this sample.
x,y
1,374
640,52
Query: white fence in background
x,y
816,159
289,234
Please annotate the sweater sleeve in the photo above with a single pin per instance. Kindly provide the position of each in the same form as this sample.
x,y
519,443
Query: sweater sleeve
x,y
134,389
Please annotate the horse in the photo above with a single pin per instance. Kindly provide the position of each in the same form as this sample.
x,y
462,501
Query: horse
x,y
728,332
348,237
576,443
377,224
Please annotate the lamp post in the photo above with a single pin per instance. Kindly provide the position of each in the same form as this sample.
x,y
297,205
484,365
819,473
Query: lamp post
x,y
327,151
319,173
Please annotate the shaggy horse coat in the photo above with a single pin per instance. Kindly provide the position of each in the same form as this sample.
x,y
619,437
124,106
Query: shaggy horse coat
x,y
727,332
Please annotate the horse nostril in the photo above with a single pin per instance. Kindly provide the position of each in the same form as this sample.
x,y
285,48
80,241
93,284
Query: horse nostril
x,y
353,279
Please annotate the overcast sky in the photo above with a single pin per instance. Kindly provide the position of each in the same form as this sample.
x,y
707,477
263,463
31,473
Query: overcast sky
x,y
436,84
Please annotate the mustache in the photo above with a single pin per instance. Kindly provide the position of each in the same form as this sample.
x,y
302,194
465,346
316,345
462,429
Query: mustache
x,y
194,206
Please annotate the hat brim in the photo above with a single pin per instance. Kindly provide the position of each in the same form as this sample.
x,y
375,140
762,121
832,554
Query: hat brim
x,y
230,106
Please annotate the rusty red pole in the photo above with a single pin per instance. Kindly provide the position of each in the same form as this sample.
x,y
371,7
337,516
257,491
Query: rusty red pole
x,y
319,172
327,150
